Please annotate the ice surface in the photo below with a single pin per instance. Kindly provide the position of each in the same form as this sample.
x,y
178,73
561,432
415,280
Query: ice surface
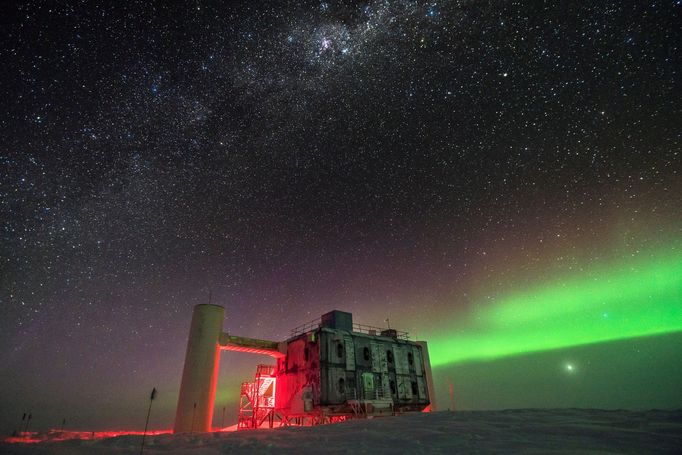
x,y
513,431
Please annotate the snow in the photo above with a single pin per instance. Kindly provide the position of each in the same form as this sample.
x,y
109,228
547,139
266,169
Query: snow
x,y
512,431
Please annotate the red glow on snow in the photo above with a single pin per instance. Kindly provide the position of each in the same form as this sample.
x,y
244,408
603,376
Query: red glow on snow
x,y
57,435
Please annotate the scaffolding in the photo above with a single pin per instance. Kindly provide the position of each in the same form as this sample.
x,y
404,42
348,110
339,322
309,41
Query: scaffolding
x,y
257,400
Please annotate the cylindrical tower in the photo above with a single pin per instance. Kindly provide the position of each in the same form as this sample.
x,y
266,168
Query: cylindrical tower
x,y
200,374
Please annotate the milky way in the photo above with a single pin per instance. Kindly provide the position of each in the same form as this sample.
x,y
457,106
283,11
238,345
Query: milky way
x,y
417,161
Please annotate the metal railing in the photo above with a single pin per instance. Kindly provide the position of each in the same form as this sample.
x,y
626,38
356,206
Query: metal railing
x,y
380,393
307,327
359,328
377,393
376,331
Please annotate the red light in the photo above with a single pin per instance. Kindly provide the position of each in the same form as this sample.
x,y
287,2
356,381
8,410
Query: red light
x,y
57,435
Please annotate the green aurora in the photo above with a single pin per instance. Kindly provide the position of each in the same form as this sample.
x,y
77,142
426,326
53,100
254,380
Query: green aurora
x,y
603,304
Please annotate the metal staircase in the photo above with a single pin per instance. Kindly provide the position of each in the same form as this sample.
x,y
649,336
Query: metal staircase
x,y
257,400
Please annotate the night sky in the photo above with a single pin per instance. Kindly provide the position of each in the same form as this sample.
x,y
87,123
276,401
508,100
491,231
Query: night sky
x,y
502,179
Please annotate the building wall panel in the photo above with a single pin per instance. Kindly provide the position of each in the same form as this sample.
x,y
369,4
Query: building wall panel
x,y
337,366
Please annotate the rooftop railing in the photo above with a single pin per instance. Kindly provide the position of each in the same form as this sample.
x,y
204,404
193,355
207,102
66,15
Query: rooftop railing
x,y
307,327
358,328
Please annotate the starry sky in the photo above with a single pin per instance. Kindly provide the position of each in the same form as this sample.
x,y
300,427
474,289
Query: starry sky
x,y
499,178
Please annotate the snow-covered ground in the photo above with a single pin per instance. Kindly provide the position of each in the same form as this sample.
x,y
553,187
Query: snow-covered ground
x,y
513,431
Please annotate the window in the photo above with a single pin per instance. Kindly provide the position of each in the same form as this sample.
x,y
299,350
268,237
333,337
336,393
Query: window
x,y
410,358
342,385
389,356
392,384
306,353
415,390
339,350
366,354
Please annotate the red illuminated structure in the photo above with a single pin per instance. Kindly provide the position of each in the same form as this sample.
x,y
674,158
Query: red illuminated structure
x,y
329,370
257,400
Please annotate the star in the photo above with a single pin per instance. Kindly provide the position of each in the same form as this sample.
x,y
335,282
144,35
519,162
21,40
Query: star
x,y
439,159
325,44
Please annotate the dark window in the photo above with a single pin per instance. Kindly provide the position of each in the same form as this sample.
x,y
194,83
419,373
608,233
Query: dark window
x,y
392,383
415,391
342,385
410,358
306,353
365,353
339,349
389,356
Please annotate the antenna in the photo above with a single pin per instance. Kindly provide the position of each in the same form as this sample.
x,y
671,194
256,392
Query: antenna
x,y
194,410
144,435
451,390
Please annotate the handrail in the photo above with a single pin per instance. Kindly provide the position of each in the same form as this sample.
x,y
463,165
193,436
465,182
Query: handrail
x,y
373,330
358,328
307,327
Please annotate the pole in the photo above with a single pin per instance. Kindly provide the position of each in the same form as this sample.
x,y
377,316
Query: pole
x,y
193,411
149,411
451,388
28,420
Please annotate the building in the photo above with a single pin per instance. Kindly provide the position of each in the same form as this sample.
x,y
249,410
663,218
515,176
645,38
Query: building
x,y
328,370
